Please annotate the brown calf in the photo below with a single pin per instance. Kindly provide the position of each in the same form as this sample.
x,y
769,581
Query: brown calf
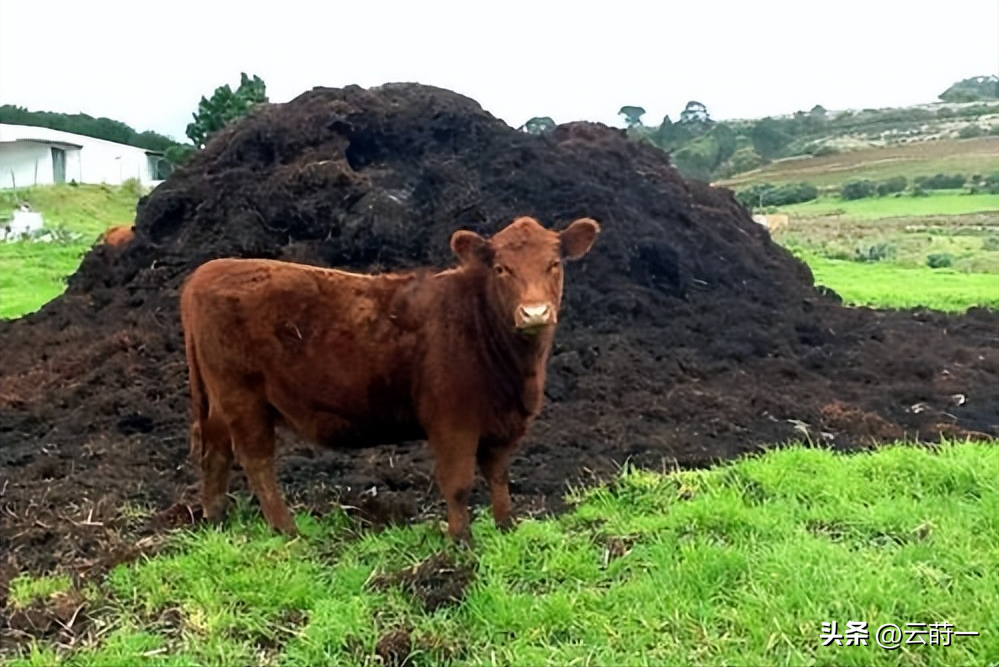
x,y
351,360
118,235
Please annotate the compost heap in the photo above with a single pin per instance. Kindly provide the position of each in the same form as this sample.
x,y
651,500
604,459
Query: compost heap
x,y
687,335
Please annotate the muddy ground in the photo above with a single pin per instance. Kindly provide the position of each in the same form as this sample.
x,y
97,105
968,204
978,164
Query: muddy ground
x,y
687,337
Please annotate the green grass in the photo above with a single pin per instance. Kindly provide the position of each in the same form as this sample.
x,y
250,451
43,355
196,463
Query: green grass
x,y
739,565
24,590
31,274
887,285
873,208
85,209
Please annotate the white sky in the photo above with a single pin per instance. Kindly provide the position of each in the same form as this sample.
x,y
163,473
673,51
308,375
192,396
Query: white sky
x,y
148,63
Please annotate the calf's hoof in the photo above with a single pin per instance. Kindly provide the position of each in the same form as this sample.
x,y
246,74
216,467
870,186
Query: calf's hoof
x,y
213,516
507,525
287,528
463,539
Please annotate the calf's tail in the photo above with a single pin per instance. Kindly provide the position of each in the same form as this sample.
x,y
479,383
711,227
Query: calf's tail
x,y
199,397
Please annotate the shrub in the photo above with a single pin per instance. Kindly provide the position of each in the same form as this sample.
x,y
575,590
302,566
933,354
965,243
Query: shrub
x,y
857,190
768,194
892,185
988,184
990,243
970,131
941,182
939,260
875,253
132,186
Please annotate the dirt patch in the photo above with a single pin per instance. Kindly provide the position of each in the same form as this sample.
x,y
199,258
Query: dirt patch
x,y
436,582
860,424
399,647
395,648
617,547
62,620
688,336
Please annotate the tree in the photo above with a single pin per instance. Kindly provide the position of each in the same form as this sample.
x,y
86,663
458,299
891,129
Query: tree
x,y
538,125
224,106
88,126
701,157
975,89
670,135
857,190
179,153
769,138
632,115
695,116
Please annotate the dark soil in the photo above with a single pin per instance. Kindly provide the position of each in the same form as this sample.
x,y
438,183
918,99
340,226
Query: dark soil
x,y
63,620
436,582
395,648
687,336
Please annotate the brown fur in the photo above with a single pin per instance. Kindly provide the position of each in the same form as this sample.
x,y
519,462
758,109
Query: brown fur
x,y
118,235
351,360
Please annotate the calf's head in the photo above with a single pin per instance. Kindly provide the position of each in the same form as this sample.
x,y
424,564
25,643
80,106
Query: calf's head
x,y
522,265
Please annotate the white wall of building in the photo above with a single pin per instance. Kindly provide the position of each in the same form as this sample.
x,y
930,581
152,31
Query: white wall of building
x,y
26,158
25,163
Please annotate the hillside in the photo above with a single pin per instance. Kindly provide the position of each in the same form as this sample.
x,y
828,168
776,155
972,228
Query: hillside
x,y
703,148
912,160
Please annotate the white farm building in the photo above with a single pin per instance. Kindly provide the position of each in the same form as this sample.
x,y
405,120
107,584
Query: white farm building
x,y
39,156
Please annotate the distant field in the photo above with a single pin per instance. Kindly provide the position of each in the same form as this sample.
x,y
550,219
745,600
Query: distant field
x,y
32,274
887,285
935,203
87,209
949,156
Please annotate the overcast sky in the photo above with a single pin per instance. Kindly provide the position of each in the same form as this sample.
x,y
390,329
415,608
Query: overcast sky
x,y
148,63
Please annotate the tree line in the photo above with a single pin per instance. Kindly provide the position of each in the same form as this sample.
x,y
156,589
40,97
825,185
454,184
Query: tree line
x,y
699,146
225,105
86,125
708,150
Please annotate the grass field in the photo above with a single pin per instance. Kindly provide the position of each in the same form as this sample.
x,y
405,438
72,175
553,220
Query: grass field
x,y
737,565
34,273
86,209
874,208
887,285
949,156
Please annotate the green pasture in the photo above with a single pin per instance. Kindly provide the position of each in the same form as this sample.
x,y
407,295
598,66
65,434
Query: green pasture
x,y
872,208
943,156
738,565
887,285
33,273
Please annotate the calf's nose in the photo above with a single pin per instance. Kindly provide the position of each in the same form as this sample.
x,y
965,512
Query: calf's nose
x,y
535,315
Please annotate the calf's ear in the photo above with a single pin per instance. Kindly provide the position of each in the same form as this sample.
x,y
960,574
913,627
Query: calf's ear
x,y
469,246
577,239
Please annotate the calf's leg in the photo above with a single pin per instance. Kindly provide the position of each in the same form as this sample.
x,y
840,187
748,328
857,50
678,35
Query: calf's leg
x,y
216,464
494,462
455,474
253,440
